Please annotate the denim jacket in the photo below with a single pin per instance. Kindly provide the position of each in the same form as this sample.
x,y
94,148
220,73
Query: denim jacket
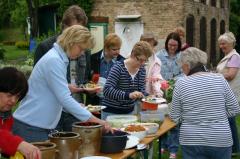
x,y
169,68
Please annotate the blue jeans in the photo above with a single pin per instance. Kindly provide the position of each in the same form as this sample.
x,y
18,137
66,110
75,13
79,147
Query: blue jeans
x,y
233,127
206,152
66,121
170,141
29,133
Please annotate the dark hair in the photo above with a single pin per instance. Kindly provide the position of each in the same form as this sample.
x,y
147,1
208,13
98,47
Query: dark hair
x,y
175,37
13,81
74,12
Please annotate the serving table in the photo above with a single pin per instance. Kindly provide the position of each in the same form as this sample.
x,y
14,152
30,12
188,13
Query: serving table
x,y
167,125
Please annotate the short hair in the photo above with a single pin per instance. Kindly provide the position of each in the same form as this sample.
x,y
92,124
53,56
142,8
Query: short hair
x,y
142,48
112,40
175,37
228,37
180,30
76,34
73,13
193,57
13,81
149,37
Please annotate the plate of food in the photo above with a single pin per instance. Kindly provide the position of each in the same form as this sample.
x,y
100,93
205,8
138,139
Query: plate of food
x,y
92,87
95,108
152,99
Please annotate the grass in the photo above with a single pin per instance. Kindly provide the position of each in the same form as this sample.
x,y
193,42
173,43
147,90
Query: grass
x,y
14,55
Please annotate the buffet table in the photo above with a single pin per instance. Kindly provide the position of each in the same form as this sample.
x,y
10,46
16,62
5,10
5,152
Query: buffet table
x,y
165,127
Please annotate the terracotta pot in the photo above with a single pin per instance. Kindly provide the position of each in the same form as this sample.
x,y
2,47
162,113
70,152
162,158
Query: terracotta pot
x,y
48,149
67,144
91,134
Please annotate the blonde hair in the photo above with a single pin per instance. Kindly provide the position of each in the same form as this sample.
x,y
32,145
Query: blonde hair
x,y
228,37
193,57
76,34
180,31
142,48
112,40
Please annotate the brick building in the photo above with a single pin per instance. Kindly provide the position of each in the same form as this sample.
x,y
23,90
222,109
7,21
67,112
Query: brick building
x,y
204,20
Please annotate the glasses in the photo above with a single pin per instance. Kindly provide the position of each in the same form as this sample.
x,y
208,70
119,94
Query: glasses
x,y
141,60
115,49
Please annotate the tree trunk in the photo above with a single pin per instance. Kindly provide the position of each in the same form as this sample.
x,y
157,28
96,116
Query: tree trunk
x,y
33,14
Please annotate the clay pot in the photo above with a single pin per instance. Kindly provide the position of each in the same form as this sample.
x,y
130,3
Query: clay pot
x,y
67,144
91,134
48,149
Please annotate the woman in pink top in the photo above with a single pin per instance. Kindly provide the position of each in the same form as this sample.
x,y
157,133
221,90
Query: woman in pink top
x,y
153,76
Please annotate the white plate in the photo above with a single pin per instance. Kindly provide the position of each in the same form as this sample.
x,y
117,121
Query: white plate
x,y
95,157
132,141
95,108
154,100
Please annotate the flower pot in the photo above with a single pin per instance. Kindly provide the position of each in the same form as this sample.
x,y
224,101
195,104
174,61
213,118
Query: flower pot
x,y
68,144
91,134
48,149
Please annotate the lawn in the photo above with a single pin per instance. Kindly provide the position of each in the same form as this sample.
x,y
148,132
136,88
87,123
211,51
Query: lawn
x,y
14,55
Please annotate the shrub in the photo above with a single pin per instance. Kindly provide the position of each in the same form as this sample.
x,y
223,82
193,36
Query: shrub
x,y
22,45
2,51
8,42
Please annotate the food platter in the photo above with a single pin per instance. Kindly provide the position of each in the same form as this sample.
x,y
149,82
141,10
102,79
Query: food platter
x,y
132,142
95,108
95,157
156,100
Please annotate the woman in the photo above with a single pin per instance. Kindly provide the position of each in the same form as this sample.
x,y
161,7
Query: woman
x,y
229,67
202,103
153,68
40,111
171,70
126,82
169,56
13,87
181,32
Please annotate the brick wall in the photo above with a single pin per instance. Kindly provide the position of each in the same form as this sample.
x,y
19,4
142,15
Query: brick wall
x,y
162,16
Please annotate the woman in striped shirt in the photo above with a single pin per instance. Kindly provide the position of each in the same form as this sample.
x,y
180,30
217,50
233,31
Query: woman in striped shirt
x,y
202,103
126,82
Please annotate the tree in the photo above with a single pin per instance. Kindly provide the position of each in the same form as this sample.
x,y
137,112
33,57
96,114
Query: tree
x,y
234,25
33,14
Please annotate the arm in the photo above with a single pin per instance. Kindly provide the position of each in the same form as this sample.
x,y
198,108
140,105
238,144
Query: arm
x,y
156,80
230,73
232,106
111,89
8,142
176,108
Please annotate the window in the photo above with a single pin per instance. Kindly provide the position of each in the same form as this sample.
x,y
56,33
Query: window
x,y
222,4
213,3
213,33
203,34
190,30
203,1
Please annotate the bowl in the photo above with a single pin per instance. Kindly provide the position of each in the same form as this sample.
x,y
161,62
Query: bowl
x,y
136,130
152,127
113,142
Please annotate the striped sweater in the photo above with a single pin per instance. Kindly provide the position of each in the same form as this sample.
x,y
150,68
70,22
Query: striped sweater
x,y
202,104
118,87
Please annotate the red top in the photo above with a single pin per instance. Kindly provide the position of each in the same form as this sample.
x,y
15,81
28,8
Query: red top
x,y
8,142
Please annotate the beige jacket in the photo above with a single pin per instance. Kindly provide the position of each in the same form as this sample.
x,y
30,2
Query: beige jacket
x,y
235,83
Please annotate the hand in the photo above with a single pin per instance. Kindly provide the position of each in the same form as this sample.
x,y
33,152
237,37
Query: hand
x,y
29,151
74,88
136,95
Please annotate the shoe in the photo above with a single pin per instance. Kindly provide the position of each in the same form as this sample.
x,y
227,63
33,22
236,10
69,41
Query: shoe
x,y
172,156
163,150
